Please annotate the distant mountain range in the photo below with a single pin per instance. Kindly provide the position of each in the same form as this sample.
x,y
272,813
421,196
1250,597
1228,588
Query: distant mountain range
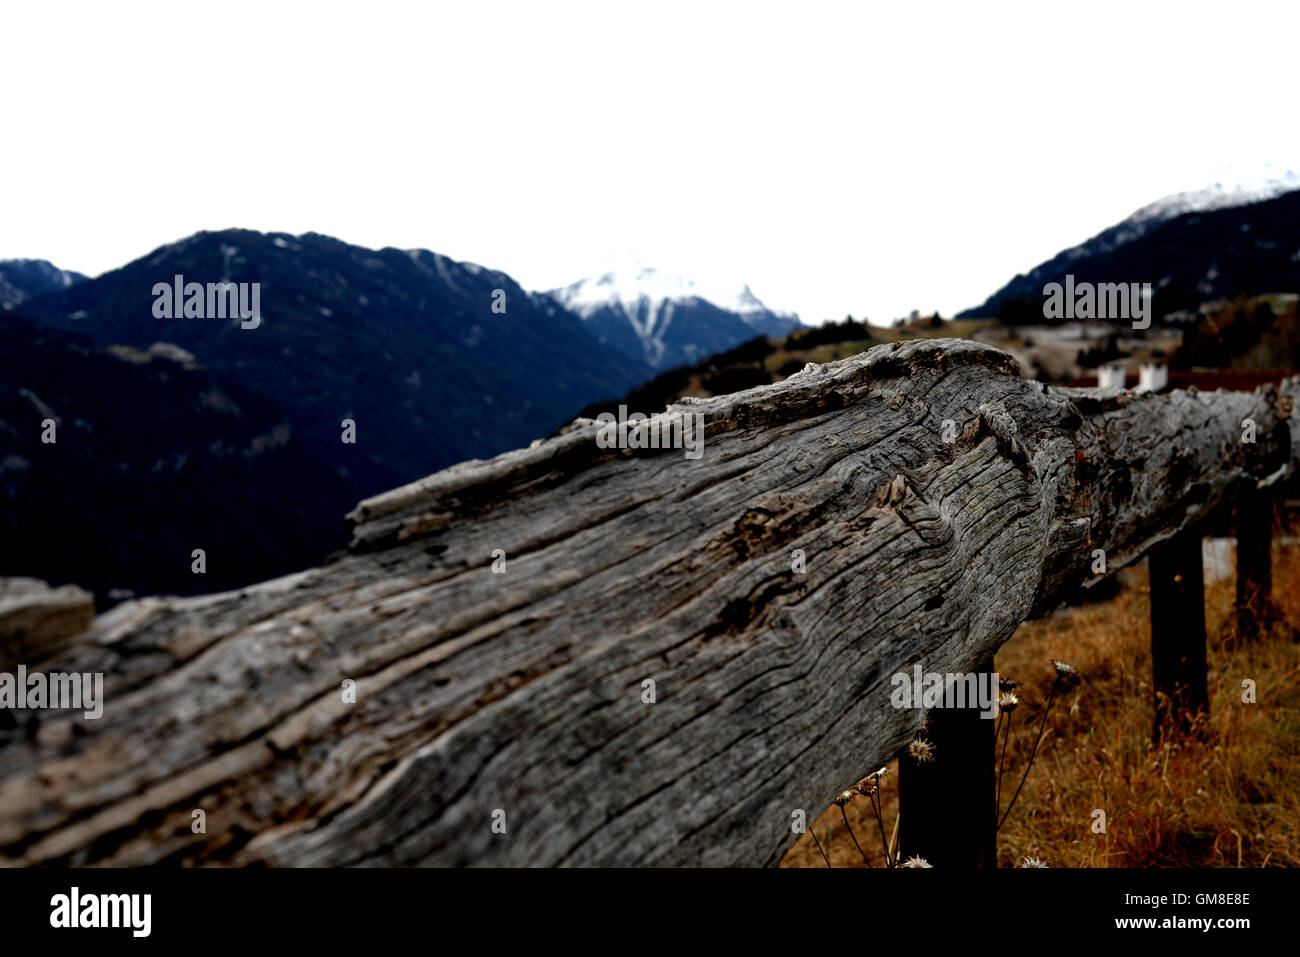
x,y
405,343
23,279
1215,243
182,433
666,321
115,465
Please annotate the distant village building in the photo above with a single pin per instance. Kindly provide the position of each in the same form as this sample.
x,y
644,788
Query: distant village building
x,y
1156,376
1152,376
1111,375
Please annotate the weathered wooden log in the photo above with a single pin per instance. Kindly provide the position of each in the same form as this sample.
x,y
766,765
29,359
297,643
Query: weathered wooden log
x,y
909,505
37,621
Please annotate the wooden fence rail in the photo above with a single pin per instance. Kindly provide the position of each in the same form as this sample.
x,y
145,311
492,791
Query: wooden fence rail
x,y
672,658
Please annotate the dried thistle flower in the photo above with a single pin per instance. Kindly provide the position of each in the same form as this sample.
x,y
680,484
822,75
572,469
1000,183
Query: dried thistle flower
x,y
1008,701
1007,684
1065,674
915,861
921,750
1031,862
844,798
871,783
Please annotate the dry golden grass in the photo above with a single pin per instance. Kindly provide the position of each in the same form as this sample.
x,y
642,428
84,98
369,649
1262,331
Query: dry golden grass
x,y
1227,796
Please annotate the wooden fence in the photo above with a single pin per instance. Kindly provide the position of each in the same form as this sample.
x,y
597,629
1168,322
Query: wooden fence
x,y
573,655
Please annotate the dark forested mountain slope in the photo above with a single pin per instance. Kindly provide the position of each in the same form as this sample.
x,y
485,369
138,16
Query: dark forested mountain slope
x,y
1190,258
151,458
406,344
23,279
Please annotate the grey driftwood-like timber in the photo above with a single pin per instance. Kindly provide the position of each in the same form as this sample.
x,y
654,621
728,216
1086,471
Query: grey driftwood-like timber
x,y
37,621
522,692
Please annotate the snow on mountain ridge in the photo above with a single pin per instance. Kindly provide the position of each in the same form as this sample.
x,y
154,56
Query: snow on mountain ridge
x,y
1247,198
667,320
652,288
21,279
1231,188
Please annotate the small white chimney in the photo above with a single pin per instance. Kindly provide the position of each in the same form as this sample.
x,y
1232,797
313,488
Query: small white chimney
x,y
1111,375
1152,377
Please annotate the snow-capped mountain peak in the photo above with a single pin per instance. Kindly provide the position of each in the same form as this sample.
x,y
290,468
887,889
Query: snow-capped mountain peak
x,y
1231,186
631,288
667,319
1234,236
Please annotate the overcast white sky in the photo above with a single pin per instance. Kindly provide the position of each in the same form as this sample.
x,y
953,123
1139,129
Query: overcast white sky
x,y
866,158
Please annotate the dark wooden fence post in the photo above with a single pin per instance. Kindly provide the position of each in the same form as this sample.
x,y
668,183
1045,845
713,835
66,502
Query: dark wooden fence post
x,y
946,804
1254,564
1178,631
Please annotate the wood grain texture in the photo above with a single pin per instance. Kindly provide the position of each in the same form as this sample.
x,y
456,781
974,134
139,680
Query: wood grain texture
x,y
522,691
37,621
